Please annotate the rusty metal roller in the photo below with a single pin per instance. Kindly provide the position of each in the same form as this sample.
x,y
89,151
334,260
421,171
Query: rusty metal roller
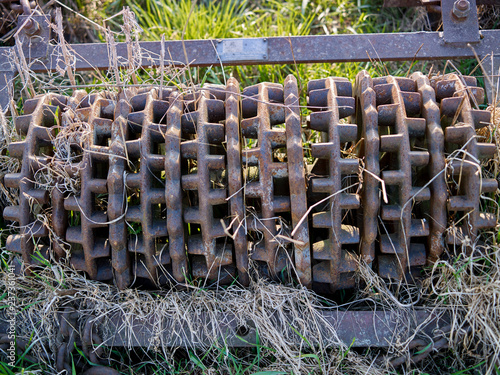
x,y
457,95
401,143
149,248
37,125
201,182
272,176
89,239
335,255
436,168
209,246
263,175
368,152
235,179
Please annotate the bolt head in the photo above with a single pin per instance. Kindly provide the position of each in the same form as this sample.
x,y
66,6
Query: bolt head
x,y
461,8
31,27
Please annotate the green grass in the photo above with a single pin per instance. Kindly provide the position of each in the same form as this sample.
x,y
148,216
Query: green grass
x,y
240,18
207,19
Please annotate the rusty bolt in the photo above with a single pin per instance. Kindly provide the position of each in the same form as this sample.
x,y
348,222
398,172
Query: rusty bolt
x,y
28,24
461,8
31,27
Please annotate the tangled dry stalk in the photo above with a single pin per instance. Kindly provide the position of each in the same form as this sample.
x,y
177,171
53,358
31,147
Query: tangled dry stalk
x,y
261,304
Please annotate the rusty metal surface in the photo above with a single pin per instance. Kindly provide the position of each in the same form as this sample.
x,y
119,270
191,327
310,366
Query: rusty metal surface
x,y
150,246
43,57
117,199
336,254
208,245
201,182
353,328
452,43
266,176
89,239
367,120
401,141
70,336
436,168
96,335
281,50
459,98
173,190
422,348
275,185
37,124
460,21
235,178
297,182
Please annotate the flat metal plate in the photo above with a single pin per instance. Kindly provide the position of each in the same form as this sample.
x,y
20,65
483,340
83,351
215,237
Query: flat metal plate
x,y
353,328
458,30
35,46
234,50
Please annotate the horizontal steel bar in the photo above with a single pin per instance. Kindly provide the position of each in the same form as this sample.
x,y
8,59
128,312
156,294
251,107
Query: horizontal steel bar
x,y
279,50
353,328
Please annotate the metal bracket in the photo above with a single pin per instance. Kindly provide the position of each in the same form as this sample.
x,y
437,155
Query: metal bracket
x,y
34,35
460,23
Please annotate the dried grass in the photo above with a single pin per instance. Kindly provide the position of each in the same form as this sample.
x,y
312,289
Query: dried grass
x,y
195,309
469,287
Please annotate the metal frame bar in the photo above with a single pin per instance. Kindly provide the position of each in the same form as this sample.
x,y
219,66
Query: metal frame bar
x,y
278,50
354,328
